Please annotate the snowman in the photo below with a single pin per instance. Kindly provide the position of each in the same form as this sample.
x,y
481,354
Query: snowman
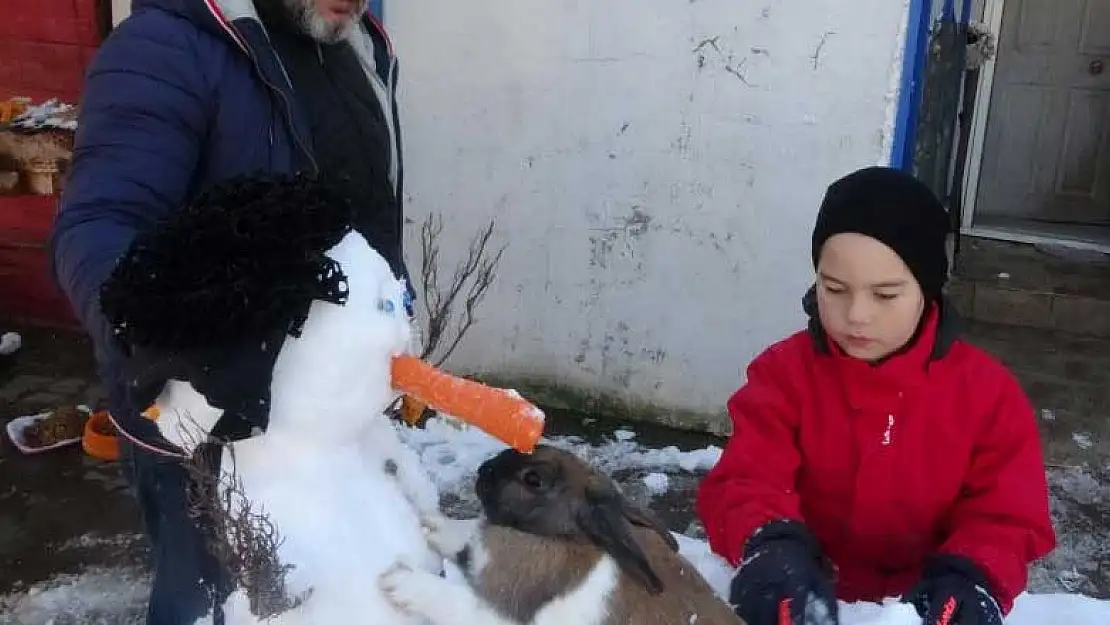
x,y
263,327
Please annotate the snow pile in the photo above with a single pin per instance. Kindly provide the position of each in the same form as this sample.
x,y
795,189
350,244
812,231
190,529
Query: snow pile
x,y
1080,501
51,114
618,455
1028,609
657,483
1082,440
87,542
10,342
623,435
452,452
97,595
1080,485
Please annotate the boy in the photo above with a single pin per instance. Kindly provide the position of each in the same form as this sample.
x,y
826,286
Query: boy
x,y
877,454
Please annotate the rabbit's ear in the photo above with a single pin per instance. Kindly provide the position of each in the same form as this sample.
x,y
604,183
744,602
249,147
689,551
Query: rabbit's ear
x,y
603,520
644,518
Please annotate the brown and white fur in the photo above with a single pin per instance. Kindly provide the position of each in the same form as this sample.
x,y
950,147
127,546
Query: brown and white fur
x,y
557,545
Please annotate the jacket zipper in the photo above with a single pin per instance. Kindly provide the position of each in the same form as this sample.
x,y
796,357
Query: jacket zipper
x,y
288,106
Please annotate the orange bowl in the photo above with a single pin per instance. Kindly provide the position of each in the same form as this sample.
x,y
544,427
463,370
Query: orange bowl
x,y
99,439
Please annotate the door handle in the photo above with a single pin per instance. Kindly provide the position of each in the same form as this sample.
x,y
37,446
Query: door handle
x,y
1096,67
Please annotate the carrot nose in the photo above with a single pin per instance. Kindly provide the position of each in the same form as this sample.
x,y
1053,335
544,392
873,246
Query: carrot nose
x,y
500,413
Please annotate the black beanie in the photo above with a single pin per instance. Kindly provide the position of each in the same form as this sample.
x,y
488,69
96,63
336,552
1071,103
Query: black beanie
x,y
895,208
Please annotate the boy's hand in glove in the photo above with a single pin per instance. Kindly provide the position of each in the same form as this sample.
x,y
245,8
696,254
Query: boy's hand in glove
x,y
953,591
783,579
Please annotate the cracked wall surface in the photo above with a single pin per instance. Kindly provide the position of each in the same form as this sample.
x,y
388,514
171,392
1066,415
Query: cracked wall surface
x,y
655,166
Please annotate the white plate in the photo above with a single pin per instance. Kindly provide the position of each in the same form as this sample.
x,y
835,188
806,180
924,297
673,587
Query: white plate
x,y
17,425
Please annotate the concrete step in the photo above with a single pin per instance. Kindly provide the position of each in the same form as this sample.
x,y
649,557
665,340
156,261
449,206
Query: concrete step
x,y
1067,379
1024,286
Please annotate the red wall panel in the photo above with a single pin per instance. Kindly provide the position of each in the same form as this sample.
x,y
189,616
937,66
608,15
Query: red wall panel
x,y
27,290
45,46
72,22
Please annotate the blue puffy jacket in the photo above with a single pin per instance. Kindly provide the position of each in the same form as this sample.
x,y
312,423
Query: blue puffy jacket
x,y
181,94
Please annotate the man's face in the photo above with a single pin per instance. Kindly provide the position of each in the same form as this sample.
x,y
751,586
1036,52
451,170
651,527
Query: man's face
x,y
327,21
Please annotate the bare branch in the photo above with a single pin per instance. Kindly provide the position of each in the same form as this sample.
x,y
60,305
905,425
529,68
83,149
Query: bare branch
x,y
429,273
446,325
483,278
240,536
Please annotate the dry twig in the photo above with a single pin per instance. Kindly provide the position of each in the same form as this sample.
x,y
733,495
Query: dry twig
x,y
241,537
473,275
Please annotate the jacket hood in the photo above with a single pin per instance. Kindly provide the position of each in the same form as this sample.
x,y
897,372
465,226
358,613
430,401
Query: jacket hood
x,y
216,17
210,15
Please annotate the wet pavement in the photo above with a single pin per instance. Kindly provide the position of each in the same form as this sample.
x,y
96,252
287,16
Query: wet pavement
x,y
65,513
62,510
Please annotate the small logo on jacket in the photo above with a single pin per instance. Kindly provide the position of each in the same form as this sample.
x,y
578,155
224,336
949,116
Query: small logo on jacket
x,y
888,434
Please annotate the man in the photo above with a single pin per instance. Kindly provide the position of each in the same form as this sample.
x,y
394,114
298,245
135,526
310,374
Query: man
x,y
185,93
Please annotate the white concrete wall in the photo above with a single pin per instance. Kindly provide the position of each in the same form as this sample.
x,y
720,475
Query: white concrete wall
x,y
120,10
977,9
655,165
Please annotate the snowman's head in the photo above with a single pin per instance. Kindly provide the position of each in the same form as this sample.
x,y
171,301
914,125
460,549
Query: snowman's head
x,y
334,377
262,298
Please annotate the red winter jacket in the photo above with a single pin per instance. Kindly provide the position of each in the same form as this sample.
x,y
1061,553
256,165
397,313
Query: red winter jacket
x,y
935,450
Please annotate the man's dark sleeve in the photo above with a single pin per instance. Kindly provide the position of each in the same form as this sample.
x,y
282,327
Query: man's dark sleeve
x,y
143,116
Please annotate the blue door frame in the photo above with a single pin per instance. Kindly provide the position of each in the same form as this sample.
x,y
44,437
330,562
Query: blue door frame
x,y
921,17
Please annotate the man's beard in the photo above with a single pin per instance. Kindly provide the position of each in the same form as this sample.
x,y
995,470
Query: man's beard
x,y
306,16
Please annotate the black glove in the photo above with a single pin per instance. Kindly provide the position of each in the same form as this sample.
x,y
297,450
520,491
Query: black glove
x,y
953,591
783,579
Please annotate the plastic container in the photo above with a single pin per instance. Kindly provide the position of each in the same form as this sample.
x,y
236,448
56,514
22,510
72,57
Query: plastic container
x,y
100,440
16,426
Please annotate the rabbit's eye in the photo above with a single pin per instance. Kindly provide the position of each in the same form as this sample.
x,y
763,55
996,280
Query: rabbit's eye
x,y
531,479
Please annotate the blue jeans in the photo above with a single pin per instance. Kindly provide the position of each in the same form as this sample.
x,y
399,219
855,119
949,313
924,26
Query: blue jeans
x,y
187,580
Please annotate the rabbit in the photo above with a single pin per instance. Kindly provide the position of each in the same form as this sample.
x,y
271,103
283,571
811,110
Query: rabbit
x,y
557,544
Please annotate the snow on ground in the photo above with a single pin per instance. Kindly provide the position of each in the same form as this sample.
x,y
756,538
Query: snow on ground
x,y
96,596
452,453
1080,497
1028,610
657,483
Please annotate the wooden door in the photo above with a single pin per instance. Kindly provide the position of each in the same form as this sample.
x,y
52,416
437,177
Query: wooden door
x,y
1046,155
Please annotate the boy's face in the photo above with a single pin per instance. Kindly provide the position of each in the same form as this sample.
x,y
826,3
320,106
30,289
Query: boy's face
x,y
868,300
